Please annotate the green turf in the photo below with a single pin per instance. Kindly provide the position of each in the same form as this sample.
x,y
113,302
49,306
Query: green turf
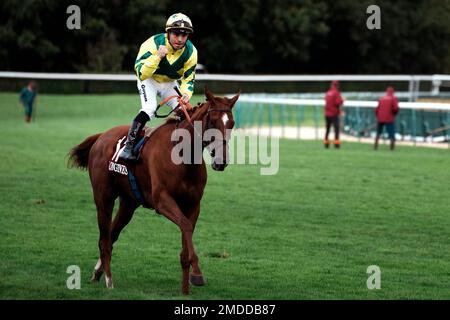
x,y
309,232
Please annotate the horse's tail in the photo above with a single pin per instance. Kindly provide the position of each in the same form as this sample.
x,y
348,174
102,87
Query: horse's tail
x,y
79,155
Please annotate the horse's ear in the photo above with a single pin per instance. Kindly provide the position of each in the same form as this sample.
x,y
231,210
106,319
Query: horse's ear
x,y
234,99
208,94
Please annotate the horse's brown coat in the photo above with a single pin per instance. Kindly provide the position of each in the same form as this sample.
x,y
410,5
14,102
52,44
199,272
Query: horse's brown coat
x,y
174,191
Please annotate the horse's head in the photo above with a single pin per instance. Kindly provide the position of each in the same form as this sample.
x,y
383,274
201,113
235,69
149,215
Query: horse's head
x,y
218,125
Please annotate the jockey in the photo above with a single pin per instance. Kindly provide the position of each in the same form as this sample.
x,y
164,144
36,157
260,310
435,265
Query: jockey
x,y
162,60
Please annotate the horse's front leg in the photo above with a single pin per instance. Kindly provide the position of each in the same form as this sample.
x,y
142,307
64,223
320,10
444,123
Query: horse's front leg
x,y
196,276
185,265
166,205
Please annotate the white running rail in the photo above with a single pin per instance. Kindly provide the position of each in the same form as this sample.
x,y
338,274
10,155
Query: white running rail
x,y
228,77
414,80
347,103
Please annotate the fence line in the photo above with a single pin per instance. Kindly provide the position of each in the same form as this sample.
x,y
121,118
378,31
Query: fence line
x,y
414,80
347,103
228,77
416,120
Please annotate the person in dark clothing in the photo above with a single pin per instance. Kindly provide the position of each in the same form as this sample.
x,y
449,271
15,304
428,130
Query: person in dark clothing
x,y
333,102
27,98
385,112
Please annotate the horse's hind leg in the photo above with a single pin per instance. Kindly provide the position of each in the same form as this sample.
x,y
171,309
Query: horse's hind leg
x,y
122,218
105,205
98,271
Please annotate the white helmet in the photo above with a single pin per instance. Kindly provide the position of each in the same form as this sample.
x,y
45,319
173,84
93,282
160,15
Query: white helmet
x,y
179,21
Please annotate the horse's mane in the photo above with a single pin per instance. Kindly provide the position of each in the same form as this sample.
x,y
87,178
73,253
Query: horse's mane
x,y
193,114
171,120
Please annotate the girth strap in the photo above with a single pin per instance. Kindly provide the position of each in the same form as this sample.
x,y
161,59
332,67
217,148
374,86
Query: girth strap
x,y
135,187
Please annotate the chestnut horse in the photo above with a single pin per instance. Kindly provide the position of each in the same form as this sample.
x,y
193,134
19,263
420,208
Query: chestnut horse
x,y
173,190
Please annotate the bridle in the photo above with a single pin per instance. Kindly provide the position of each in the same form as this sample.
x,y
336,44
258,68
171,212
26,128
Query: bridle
x,y
209,126
208,118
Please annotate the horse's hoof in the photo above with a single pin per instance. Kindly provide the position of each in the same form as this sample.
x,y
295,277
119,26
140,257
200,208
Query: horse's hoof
x,y
197,280
109,282
96,275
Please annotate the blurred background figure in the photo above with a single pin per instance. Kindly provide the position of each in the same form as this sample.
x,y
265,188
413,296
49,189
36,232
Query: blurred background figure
x,y
386,111
27,97
333,102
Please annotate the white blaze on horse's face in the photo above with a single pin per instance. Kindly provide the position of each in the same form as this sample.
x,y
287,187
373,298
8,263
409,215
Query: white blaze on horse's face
x,y
219,148
225,119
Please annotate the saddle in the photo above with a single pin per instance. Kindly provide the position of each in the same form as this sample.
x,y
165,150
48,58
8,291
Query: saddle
x,y
125,168
144,136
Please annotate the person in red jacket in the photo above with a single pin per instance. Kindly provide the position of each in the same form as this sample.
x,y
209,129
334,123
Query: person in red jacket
x,y
333,102
386,111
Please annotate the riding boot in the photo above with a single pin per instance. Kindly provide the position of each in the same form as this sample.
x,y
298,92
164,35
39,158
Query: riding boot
x,y
135,129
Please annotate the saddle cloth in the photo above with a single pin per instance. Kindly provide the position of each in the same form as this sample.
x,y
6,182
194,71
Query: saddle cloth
x,y
123,169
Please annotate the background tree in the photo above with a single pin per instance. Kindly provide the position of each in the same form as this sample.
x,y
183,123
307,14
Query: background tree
x,y
254,36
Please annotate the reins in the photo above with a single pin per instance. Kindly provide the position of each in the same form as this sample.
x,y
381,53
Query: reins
x,y
185,107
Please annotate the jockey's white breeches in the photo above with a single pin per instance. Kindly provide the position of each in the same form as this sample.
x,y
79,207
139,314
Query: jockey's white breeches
x,y
149,89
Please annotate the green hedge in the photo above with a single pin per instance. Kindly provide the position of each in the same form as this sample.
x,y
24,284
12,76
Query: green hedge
x,y
89,86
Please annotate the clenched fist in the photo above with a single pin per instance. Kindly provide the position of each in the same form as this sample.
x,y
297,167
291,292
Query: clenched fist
x,y
185,98
162,51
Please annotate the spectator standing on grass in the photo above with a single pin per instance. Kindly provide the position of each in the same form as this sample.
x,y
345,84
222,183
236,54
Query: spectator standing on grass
x,y
386,111
27,97
333,103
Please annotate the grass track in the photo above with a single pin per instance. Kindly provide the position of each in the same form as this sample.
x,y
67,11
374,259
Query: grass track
x,y
309,232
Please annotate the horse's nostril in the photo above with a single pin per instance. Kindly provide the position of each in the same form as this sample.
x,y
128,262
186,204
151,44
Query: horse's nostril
x,y
218,167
